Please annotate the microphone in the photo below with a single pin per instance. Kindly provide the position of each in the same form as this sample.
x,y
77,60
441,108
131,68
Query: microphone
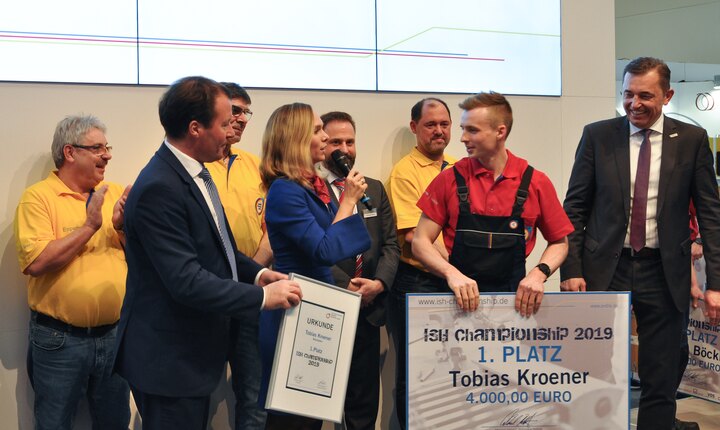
x,y
342,162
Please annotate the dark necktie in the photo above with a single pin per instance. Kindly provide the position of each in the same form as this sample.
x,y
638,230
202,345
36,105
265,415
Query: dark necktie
x,y
222,229
340,184
640,193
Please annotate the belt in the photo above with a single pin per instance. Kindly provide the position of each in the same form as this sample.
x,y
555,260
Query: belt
x,y
644,253
56,324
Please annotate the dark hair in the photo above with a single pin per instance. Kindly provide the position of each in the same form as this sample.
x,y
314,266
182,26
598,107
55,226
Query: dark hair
x,y
186,100
337,116
235,91
643,65
416,110
502,112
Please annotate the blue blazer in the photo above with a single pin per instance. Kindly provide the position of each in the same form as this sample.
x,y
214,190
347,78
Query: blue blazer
x,y
172,336
302,236
304,241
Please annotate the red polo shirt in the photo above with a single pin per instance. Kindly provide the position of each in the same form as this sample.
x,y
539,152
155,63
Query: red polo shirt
x,y
542,209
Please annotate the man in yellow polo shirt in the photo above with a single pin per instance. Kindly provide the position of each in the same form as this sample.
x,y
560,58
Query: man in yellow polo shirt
x,y
430,122
237,177
68,231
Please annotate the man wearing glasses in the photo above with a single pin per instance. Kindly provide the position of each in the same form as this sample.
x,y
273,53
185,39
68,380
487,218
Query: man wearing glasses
x,y
237,178
69,239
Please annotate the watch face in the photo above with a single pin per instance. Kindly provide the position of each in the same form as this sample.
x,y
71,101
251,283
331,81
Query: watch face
x,y
545,269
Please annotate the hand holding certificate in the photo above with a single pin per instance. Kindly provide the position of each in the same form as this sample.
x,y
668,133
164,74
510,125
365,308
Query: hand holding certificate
x,y
314,350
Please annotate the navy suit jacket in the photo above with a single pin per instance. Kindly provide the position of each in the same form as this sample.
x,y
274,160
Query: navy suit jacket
x,y
172,336
598,204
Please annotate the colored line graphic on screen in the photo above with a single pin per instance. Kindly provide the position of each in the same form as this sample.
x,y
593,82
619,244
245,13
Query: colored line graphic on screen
x,y
36,37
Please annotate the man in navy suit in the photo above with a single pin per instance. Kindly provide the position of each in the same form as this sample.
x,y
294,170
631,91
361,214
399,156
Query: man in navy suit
x,y
371,275
184,268
628,198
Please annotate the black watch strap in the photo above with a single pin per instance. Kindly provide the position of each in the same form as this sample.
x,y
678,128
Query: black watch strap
x,y
545,269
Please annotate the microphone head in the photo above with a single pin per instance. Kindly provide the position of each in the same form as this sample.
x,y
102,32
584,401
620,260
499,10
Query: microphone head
x,y
338,156
341,161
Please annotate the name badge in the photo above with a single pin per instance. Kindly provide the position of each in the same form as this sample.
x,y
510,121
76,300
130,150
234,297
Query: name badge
x,y
369,213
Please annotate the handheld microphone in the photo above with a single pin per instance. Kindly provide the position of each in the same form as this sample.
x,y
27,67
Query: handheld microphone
x,y
342,162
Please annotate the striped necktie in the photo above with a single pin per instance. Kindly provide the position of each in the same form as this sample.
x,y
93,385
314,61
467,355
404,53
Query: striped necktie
x,y
222,228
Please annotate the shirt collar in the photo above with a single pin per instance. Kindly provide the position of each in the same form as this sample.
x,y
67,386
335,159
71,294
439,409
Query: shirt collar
x,y
422,160
657,126
190,164
60,188
513,168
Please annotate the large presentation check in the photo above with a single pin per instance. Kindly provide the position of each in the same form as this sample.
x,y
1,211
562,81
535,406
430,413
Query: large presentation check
x,y
566,367
702,375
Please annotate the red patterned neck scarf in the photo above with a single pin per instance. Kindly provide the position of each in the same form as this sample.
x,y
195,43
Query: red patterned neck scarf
x,y
320,188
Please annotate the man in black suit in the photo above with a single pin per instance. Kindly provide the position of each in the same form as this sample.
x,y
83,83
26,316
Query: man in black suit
x,y
184,268
628,198
370,274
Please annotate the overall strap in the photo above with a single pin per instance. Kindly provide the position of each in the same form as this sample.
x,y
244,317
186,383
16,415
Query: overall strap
x,y
462,192
522,192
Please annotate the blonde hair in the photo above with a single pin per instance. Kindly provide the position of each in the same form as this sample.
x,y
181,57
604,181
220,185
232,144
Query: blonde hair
x,y
286,145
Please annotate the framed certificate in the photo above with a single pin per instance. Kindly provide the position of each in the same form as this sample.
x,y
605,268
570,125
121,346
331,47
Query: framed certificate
x,y
565,367
314,350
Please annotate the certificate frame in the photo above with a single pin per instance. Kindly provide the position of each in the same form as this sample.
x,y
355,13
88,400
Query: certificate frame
x,y
314,350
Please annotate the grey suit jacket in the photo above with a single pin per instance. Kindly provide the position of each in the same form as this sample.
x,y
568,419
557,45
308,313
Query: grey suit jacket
x,y
598,204
381,260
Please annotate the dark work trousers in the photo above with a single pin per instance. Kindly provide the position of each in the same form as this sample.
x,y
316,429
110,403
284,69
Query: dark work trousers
x,y
408,279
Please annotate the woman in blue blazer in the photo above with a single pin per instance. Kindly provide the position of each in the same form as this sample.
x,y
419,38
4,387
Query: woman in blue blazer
x,y
308,233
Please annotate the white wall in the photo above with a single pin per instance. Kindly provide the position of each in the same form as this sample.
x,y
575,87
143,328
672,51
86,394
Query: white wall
x,y
546,132
676,30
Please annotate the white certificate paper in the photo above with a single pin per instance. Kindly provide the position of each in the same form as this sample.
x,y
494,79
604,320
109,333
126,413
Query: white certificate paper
x,y
564,368
315,352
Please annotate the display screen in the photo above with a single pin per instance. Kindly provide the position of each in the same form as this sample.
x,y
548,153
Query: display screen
x,y
461,46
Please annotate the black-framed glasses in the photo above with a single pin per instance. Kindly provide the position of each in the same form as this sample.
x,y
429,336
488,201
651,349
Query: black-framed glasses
x,y
237,111
98,149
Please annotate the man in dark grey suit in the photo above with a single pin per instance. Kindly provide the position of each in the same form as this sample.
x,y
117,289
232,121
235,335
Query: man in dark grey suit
x,y
628,198
370,274
185,276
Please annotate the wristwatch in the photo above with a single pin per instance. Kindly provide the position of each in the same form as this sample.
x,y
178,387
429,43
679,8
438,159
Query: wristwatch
x,y
698,240
545,269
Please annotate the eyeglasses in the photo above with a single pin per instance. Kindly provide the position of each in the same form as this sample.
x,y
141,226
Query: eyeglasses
x,y
98,149
237,111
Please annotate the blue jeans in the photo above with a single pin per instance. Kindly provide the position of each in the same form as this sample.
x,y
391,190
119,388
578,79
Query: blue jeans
x,y
246,373
63,368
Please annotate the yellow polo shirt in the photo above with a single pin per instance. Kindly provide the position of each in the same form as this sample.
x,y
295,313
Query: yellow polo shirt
x,y
408,180
242,197
88,291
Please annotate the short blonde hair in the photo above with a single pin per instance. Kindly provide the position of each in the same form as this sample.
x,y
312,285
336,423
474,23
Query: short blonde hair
x,y
286,145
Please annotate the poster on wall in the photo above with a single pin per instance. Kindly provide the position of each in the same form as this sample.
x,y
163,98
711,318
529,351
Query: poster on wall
x,y
565,367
